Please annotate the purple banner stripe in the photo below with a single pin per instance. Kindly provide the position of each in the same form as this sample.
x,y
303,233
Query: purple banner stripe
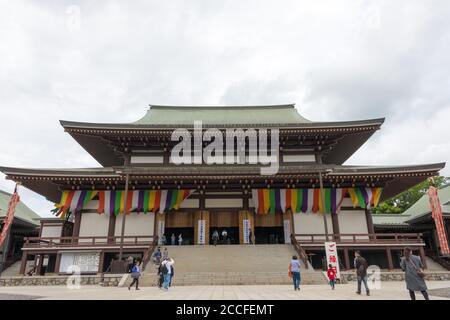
x,y
80,200
333,200
112,201
277,200
305,200
140,207
168,200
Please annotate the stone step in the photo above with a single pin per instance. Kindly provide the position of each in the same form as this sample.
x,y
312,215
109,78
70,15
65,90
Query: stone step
x,y
233,279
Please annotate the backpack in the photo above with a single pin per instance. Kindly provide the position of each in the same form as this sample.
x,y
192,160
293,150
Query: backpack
x,y
164,269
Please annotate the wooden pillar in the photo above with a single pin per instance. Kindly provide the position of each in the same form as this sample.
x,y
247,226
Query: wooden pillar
x,y
246,215
370,228
288,215
111,228
76,225
57,262
101,262
423,257
389,258
160,217
40,261
23,263
347,259
335,222
201,215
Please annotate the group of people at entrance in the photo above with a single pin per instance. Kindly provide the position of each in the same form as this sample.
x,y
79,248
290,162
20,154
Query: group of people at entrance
x,y
173,240
216,238
410,264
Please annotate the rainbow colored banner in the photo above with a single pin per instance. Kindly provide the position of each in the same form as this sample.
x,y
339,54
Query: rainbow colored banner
x,y
310,200
365,197
73,202
113,202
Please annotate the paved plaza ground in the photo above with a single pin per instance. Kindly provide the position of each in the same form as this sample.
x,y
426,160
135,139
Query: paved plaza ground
x,y
388,291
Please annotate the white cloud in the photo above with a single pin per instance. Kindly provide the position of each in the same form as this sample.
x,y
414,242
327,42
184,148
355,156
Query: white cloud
x,y
108,60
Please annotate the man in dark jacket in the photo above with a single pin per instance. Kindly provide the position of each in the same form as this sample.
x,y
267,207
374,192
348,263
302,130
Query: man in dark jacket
x,y
361,266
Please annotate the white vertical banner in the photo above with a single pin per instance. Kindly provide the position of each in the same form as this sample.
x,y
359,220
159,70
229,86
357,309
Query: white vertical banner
x,y
161,230
246,230
332,257
201,231
287,231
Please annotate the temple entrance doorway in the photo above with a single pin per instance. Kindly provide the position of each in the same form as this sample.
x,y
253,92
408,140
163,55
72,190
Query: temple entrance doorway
x,y
187,235
224,221
179,222
269,235
269,228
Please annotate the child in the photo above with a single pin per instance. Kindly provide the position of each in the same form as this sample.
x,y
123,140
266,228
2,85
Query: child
x,y
331,273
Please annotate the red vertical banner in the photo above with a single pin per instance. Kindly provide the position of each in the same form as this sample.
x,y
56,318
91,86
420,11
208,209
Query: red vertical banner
x,y
9,215
436,213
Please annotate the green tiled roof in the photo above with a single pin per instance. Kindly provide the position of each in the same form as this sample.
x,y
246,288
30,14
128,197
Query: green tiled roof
x,y
389,219
22,211
420,208
178,115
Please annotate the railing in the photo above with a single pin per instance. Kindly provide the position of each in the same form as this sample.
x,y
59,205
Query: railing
x,y
358,238
148,254
302,254
57,242
442,262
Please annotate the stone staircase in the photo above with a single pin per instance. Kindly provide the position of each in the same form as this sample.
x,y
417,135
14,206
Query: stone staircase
x,y
231,265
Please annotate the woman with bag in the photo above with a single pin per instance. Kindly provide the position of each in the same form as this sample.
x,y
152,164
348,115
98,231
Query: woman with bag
x,y
414,275
135,274
294,272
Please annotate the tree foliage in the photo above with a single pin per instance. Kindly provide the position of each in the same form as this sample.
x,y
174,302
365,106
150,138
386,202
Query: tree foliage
x,y
406,199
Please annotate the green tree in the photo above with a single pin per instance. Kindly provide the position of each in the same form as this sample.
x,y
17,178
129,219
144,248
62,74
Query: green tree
x,y
406,199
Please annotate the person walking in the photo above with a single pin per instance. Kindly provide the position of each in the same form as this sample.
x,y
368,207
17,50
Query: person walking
x,y
163,240
165,254
331,274
414,275
294,269
172,239
135,274
130,264
160,276
166,271
361,266
157,256
180,239
215,237
250,236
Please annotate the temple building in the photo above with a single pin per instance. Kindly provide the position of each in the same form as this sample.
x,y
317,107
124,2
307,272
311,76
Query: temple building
x,y
284,181
25,224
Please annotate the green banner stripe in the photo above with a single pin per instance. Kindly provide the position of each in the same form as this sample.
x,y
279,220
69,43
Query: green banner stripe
x,y
361,200
299,200
272,200
146,198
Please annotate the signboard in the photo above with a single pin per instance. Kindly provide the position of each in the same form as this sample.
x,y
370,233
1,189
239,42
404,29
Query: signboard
x,y
201,231
246,230
287,231
161,230
332,257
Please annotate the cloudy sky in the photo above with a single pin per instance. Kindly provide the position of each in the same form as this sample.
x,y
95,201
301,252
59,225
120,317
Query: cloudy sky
x,y
106,61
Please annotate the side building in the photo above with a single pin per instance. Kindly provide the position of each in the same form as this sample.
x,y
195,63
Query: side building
x,y
25,224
